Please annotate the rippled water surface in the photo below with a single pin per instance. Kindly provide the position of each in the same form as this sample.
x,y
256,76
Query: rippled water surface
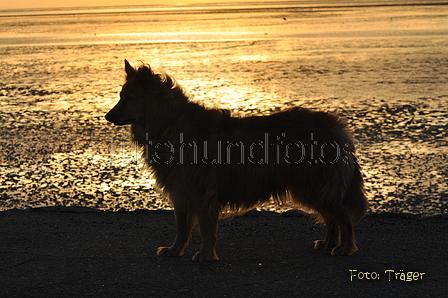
x,y
385,68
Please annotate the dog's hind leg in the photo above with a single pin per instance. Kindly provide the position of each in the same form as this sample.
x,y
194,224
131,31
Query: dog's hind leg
x,y
347,244
331,237
185,222
337,218
208,225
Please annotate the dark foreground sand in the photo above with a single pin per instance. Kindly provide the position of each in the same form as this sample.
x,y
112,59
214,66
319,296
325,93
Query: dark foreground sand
x,y
87,253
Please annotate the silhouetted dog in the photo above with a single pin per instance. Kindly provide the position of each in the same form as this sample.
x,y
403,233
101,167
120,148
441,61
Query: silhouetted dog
x,y
210,163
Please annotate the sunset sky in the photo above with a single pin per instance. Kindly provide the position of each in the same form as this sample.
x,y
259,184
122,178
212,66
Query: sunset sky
x,y
77,3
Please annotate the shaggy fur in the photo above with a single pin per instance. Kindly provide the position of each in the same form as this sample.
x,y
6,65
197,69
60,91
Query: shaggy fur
x,y
210,163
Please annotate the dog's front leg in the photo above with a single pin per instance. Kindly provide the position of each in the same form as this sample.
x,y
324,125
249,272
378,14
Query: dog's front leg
x,y
185,222
208,225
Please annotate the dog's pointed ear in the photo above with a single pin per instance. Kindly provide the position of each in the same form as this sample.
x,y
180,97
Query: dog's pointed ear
x,y
130,71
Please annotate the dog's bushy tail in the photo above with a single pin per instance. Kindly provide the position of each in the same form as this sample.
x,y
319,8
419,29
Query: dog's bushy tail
x,y
356,200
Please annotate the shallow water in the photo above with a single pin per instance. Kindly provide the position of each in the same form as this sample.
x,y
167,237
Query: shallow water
x,y
385,68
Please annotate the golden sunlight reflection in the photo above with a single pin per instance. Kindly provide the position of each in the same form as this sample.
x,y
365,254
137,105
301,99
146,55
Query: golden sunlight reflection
x,y
382,67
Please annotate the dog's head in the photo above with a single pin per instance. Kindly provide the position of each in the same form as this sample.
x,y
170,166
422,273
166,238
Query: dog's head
x,y
147,97
134,96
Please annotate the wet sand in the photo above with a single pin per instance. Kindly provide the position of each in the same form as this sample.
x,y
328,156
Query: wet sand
x,y
75,252
57,149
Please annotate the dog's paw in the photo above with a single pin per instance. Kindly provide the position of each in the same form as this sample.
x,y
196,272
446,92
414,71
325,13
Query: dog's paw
x,y
322,244
319,244
169,252
204,257
343,250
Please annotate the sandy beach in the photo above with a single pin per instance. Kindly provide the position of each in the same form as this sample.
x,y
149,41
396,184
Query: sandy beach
x,y
70,183
80,253
382,67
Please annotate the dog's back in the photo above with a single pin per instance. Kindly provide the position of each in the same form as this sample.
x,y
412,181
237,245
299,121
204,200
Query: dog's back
x,y
301,156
